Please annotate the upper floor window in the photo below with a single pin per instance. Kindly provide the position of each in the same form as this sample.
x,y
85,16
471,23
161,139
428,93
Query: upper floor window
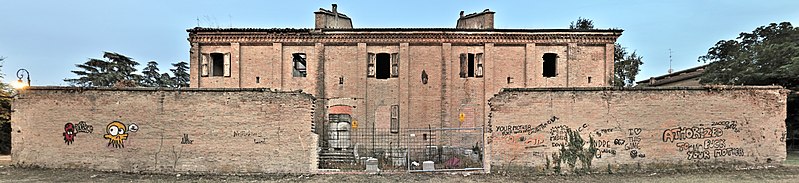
x,y
550,64
383,65
215,64
471,65
300,68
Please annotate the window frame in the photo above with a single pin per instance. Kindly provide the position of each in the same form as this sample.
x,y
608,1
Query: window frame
x,y
295,63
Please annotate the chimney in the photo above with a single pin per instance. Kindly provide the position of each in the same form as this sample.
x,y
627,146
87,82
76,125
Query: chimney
x,y
335,12
335,8
327,19
479,20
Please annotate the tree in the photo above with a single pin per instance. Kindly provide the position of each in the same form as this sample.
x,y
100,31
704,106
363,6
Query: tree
x,y
165,80
582,24
181,74
769,55
151,76
5,115
116,70
625,67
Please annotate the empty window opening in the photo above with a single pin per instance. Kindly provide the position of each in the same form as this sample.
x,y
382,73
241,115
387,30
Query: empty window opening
x,y
341,80
550,64
299,69
589,79
257,79
383,66
471,66
218,64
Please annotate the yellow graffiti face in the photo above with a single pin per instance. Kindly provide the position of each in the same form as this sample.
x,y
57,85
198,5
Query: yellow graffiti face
x,y
116,133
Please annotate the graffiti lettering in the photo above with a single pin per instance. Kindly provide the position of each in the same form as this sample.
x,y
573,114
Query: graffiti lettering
x,y
580,129
605,151
618,142
508,130
543,125
732,125
601,132
82,127
728,152
259,140
698,155
635,154
632,143
244,133
634,131
602,143
714,143
185,139
683,133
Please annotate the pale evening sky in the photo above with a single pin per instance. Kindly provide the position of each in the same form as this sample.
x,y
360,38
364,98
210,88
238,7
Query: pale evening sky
x,y
49,37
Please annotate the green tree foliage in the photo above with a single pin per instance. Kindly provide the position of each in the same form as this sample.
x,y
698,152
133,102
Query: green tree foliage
x,y
115,70
5,115
582,24
769,55
625,65
181,74
151,76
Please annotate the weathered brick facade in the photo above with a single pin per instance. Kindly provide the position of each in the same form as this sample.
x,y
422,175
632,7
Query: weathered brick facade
x,y
338,66
338,94
187,130
638,129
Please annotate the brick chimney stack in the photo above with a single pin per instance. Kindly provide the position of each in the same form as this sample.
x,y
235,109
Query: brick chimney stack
x,y
332,19
479,20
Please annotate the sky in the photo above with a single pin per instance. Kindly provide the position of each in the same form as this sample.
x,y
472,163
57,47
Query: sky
x,y
49,37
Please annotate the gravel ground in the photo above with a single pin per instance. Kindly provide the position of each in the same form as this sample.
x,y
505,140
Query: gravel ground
x,y
781,174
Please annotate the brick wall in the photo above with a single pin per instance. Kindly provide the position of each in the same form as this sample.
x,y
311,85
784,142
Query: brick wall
x,y
187,130
728,127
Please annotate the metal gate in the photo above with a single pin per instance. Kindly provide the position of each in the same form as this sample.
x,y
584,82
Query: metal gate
x,y
448,149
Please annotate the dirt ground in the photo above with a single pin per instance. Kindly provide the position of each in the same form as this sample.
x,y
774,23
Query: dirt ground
x,y
782,174
789,172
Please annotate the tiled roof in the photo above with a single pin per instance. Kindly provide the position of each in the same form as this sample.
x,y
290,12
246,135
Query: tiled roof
x,y
206,29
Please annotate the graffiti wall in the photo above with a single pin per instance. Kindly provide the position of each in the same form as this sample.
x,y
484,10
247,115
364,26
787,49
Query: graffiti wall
x,y
602,129
147,130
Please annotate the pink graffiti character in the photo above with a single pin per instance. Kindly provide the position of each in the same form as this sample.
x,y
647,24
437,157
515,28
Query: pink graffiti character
x,y
69,133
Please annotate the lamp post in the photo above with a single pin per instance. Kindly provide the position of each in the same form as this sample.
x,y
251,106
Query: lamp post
x,y
20,75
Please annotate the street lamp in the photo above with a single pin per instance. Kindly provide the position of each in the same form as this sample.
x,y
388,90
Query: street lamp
x,y
19,84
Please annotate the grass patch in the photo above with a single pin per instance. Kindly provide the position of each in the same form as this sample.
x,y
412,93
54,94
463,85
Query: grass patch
x,y
792,159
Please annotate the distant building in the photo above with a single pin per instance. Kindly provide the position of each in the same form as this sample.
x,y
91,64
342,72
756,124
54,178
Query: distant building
x,y
687,77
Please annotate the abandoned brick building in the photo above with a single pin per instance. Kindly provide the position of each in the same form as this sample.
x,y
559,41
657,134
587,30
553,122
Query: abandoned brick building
x,y
400,78
338,98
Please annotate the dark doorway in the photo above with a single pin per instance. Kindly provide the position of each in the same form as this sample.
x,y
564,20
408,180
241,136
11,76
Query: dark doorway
x,y
383,66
